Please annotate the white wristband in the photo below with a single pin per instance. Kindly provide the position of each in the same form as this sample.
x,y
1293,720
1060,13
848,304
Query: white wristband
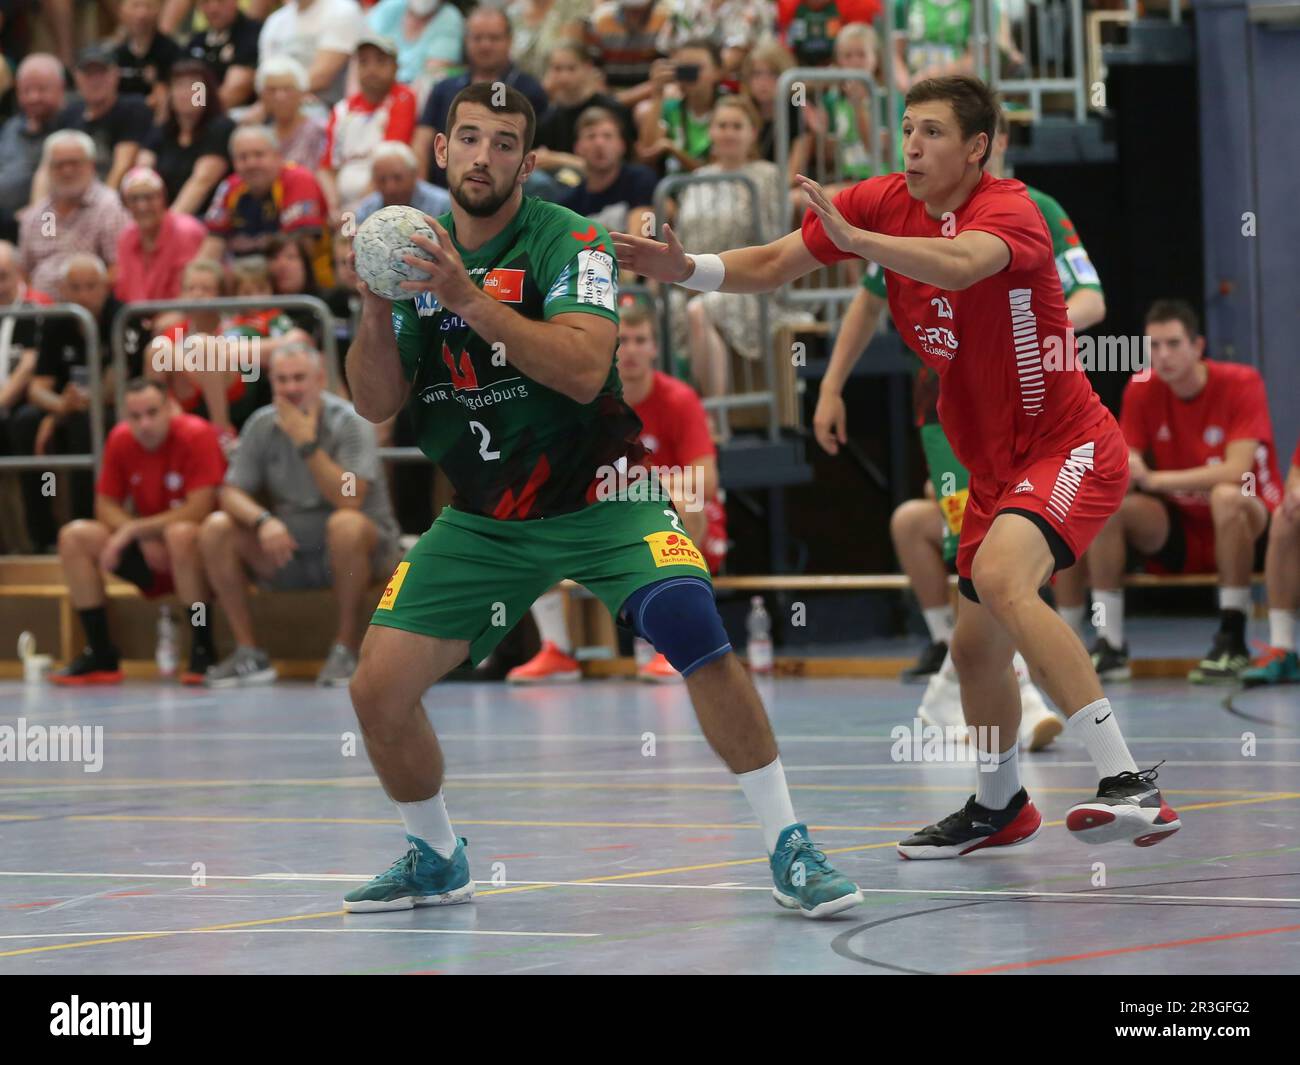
x,y
707,275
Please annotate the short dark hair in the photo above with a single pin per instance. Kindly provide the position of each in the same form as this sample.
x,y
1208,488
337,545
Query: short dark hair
x,y
636,312
140,384
1175,311
973,102
483,92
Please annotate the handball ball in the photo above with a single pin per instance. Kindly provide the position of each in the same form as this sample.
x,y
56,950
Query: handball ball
x,y
381,242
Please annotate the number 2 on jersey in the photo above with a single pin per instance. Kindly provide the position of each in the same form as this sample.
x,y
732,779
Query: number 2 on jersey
x,y
487,456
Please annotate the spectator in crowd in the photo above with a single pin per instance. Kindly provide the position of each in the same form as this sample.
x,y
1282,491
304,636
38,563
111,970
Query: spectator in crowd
x,y
60,22
229,47
674,130
213,390
809,27
487,54
684,461
176,14
618,194
429,37
282,87
935,40
842,122
56,417
80,214
265,196
155,245
1279,664
143,55
735,26
18,340
716,215
540,26
292,273
394,174
322,35
115,123
157,482
1203,480
382,111
761,76
625,34
572,85
39,89
190,148
327,522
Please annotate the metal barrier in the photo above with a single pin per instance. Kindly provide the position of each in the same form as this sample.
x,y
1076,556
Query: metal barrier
x,y
90,328
881,105
143,308
761,398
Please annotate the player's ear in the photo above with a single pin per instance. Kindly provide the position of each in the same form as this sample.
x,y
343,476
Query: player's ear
x,y
440,149
529,165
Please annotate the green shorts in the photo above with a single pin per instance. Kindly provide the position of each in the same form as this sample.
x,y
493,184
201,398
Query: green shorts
x,y
473,578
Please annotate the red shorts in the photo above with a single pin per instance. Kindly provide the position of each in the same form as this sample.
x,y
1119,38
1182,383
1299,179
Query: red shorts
x,y
1070,496
714,547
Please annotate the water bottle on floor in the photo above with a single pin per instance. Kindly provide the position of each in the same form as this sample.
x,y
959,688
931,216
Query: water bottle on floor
x,y
759,629
165,653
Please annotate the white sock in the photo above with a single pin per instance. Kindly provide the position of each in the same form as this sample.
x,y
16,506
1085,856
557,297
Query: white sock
x,y
948,670
939,620
1021,667
1096,728
994,789
1073,616
1111,624
428,820
552,620
769,798
1235,599
1281,629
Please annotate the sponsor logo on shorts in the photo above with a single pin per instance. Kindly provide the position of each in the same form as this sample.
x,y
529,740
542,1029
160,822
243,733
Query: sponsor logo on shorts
x,y
389,597
674,549
954,509
1024,486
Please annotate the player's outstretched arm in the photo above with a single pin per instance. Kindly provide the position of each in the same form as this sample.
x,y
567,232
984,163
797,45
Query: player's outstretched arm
x,y
830,422
379,387
760,268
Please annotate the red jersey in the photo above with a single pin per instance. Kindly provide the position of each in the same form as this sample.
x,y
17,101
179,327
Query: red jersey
x,y
1180,434
189,458
675,432
1000,405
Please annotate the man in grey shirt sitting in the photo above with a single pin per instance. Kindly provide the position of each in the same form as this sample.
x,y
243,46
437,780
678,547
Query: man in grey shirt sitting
x,y
327,519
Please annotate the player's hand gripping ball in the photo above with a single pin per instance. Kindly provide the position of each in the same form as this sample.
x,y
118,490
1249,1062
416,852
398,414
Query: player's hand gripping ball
x,y
380,244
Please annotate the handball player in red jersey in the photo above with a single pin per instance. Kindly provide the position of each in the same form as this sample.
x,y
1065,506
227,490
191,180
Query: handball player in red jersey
x,y
974,291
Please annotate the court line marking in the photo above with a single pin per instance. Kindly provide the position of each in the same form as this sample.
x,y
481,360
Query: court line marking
x,y
1061,959
250,820
318,931
611,878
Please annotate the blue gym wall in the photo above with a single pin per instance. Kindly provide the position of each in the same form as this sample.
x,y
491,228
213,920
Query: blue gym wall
x,y
1249,77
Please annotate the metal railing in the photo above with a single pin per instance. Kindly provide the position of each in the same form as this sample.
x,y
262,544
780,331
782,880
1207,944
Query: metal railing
x,y
144,308
90,328
666,190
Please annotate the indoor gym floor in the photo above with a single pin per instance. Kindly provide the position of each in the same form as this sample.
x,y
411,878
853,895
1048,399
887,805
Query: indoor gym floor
x,y
591,856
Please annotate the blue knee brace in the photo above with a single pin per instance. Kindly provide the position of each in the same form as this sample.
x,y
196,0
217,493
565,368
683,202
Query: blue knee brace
x,y
679,617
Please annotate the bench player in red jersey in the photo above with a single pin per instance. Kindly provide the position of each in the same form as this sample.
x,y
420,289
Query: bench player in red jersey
x,y
974,291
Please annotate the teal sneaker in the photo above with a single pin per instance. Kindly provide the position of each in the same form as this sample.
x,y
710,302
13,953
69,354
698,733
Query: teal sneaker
x,y
804,879
420,877
1276,666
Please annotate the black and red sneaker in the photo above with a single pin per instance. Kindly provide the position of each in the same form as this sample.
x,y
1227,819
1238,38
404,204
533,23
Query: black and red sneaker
x,y
89,668
975,827
1127,807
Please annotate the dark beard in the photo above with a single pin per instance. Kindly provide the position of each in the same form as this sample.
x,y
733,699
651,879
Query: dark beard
x,y
487,208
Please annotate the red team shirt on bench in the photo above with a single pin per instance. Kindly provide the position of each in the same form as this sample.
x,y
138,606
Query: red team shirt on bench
x,y
1034,437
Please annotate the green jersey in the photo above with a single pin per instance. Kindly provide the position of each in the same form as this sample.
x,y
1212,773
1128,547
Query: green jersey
x,y
514,449
842,119
689,132
937,31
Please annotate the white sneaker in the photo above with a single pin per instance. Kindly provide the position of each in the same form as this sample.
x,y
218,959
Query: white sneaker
x,y
941,704
1039,724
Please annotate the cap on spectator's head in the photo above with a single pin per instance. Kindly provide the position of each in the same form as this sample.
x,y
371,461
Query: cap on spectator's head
x,y
142,175
95,55
377,40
